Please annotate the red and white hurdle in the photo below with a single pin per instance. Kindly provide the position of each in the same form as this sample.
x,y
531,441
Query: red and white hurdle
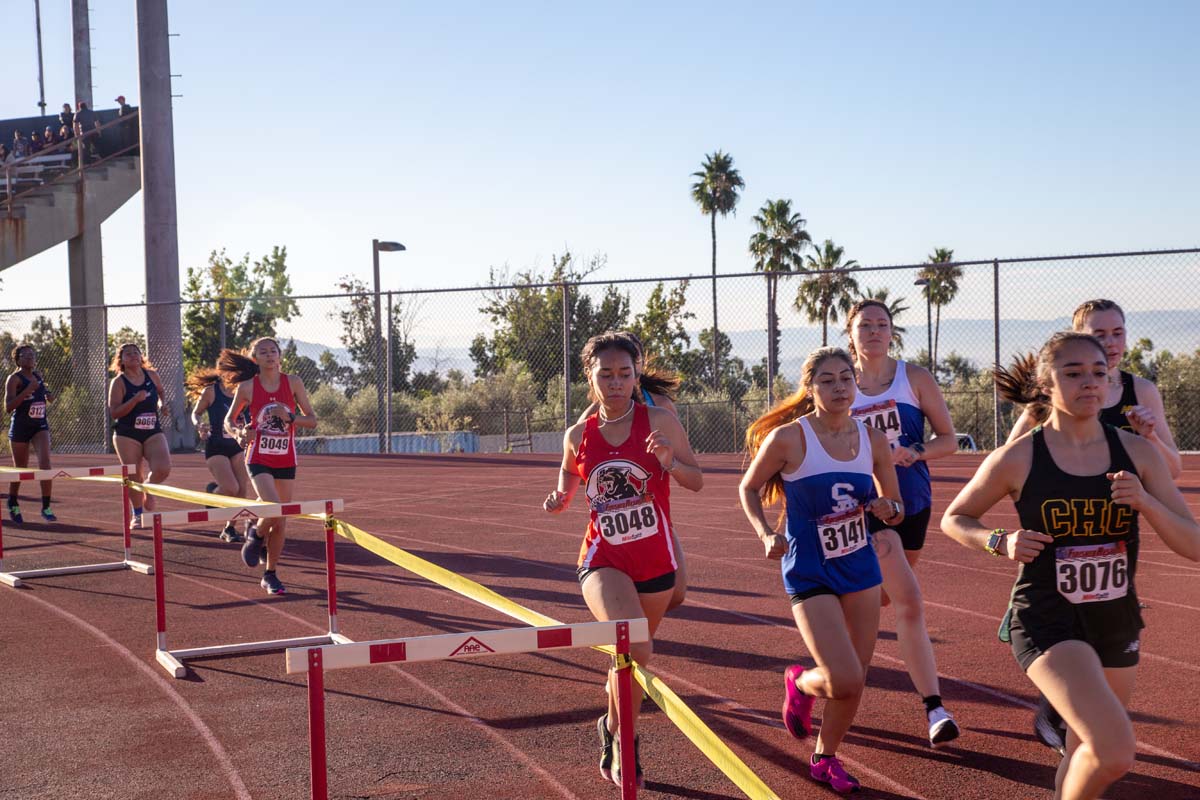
x,y
16,475
173,660
315,660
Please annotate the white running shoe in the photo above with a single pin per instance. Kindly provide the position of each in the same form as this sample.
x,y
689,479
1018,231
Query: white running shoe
x,y
942,727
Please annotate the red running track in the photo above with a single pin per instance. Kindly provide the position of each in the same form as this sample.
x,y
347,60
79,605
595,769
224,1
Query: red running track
x,y
86,712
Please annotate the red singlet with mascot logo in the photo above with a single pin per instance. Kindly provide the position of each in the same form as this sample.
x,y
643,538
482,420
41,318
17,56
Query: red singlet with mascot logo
x,y
272,444
629,497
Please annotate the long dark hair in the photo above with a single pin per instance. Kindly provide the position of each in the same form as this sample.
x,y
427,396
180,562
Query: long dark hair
x,y
200,379
790,410
650,378
116,365
1024,381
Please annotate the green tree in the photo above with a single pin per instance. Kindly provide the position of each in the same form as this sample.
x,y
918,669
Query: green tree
x,y
527,314
778,246
732,382
716,192
943,276
333,372
123,335
258,295
895,308
293,363
358,335
1142,360
828,286
660,326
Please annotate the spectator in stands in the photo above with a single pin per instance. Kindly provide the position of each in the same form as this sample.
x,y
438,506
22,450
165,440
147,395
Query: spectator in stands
x,y
66,118
65,133
123,108
48,137
36,145
85,118
128,133
20,147
3,153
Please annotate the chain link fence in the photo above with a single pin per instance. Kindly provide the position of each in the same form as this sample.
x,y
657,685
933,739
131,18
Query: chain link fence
x,y
497,369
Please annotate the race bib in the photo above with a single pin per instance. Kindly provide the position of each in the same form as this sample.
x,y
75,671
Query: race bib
x,y
146,422
37,411
625,521
271,444
883,415
1091,573
842,533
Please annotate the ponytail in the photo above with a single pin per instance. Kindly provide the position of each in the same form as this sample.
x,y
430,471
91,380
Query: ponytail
x,y
663,383
235,367
200,379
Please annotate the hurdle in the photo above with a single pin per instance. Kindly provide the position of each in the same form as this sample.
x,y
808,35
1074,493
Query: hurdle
x,y
173,660
313,661
17,475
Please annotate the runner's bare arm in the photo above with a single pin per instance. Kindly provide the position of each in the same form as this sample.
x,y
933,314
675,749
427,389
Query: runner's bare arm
x,y
1153,493
669,443
568,477
308,417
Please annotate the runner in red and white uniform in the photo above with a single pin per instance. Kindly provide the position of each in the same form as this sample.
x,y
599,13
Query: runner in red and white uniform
x,y
270,440
624,455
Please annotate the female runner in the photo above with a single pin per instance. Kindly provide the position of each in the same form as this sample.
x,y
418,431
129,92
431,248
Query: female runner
x,y
625,454
222,454
273,398
897,398
26,398
135,398
830,470
1076,622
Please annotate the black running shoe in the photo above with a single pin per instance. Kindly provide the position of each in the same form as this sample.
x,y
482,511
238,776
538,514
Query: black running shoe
x,y
606,747
270,581
212,487
637,760
230,534
252,550
14,511
1048,726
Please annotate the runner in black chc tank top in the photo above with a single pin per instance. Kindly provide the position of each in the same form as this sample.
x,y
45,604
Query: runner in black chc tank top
x,y
1079,487
1105,320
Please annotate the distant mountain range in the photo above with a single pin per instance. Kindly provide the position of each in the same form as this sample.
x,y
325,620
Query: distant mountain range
x,y
1174,330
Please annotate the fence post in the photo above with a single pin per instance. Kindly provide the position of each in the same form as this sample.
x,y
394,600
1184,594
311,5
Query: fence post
x,y
772,367
221,303
566,353
105,418
387,386
996,346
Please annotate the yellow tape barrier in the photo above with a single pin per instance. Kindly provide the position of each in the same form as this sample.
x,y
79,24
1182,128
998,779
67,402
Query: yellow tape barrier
x,y
676,710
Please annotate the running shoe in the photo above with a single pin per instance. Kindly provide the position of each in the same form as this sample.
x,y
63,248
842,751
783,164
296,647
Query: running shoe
x,y
830,770
230,534
14,512
942,727
252,550
1048,727
212,487
606,747
135,521
270,581
48,515
797,706
637,760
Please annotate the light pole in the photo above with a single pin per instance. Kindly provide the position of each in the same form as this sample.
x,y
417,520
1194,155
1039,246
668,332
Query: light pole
x,y
928,324
376,247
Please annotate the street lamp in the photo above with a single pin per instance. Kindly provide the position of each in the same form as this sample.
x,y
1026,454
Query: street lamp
x,y
376,247
928,323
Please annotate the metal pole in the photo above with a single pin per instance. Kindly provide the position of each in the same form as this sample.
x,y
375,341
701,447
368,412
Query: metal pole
x,y
996,345
37,21
772,367
221,303
566,351
388,374
105,418
929,332
378,347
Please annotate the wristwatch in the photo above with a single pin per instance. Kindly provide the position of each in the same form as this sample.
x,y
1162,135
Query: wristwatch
x,y
993,542
918,448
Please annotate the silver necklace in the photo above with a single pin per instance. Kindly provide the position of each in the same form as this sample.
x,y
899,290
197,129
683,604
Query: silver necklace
x,y
606,421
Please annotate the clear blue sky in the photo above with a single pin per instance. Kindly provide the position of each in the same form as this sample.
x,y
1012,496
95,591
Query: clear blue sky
x,y
499,134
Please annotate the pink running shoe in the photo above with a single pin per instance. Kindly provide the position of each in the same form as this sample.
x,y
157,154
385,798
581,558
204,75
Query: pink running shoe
x,y
797,706
829,770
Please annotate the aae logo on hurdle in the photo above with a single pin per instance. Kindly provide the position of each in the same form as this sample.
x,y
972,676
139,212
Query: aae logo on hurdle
x,y
471,647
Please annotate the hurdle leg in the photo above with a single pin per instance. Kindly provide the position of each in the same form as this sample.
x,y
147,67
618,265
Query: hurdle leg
x,y
168,661
627,759
316,726
126,510
330,570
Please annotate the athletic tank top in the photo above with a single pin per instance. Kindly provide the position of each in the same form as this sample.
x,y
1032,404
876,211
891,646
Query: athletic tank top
x,y
272,443
1115,414
897,412
1086,576
628,495
825,508
32,411
649,398
216,413
143,416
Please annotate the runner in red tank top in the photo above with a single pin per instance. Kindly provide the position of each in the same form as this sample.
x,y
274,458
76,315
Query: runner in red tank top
x,y
270,440
625,455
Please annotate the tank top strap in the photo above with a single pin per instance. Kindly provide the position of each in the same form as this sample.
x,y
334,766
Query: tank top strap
x,y
1128,393
1118,455
641,423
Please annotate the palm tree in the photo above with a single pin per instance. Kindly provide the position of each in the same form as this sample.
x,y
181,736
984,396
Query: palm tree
x,y
716,192
943,277
895,309
777,246
828,287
